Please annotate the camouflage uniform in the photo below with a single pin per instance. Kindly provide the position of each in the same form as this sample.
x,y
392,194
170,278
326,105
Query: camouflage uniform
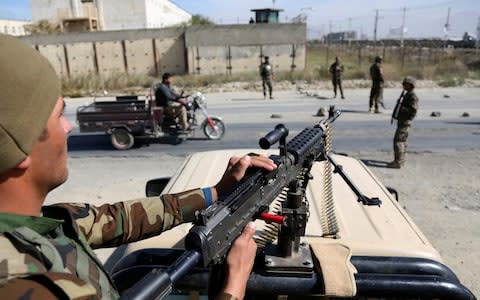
x,y
266,72
51,256
408,110
376,92
336,69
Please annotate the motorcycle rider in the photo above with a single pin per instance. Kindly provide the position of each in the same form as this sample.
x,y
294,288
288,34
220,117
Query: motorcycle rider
x,y
173,103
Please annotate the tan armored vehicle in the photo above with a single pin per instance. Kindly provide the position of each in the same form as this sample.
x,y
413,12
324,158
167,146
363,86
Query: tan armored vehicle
x,y
343,235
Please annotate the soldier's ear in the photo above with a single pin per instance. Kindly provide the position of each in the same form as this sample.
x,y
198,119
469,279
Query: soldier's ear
x,y
24,164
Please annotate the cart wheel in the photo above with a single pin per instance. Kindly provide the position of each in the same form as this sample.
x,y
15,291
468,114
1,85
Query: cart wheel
x,y
215,129
121,139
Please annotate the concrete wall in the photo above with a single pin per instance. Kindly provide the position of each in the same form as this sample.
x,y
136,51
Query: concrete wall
x,y
110,58
55,53
240,48
196,50
144,52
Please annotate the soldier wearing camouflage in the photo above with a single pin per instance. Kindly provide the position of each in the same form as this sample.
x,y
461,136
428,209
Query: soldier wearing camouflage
x,y
336,70
46,251
404,114
376,91
266,72
66,234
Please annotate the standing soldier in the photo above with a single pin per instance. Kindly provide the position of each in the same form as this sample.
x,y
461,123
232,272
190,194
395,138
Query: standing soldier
x,y
376,93
336,69
404,112
266,72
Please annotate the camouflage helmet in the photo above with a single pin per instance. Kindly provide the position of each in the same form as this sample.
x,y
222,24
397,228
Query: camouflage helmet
x,y
409,80
378,58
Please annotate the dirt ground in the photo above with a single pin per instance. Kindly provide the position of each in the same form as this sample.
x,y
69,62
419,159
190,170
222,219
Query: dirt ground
x,y
442,195
437,189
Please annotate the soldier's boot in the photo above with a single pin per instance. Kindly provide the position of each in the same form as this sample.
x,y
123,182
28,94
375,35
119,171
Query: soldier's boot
x,y
401,158
370,110
398,162
394,165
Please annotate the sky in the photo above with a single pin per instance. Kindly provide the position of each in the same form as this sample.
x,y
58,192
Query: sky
x,y
423,18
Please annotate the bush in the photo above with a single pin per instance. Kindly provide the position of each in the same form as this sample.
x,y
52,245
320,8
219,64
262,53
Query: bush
x,y
451,82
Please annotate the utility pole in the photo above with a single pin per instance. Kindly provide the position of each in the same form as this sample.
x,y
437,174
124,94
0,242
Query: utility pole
x,y
329,36
446,28
375,32
349,31
478,34
404,10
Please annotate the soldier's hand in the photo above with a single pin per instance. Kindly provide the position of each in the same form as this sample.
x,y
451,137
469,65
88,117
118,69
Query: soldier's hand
x,y
237,166
183,101
240,261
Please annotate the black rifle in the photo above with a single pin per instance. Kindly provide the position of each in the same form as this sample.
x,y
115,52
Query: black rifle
x,y
396,110
217,226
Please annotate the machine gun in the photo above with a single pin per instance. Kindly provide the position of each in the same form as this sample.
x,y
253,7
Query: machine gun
x,y
285,265
216,227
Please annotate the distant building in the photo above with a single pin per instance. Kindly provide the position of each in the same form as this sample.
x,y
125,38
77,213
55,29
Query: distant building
x,y
133,14
13,27
91,15
267,15
341,36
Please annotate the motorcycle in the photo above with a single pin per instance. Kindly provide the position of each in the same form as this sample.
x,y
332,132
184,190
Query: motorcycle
x,y
212,126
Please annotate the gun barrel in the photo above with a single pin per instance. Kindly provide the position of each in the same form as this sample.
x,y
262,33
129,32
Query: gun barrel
x,y
158,284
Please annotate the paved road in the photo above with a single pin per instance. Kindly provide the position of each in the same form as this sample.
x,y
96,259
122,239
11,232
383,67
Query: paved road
x,y
444,207
248,117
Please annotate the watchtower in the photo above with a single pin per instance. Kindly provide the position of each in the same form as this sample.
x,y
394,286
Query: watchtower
x,y
266,15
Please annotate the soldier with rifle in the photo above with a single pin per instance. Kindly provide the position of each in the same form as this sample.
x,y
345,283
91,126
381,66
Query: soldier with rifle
x,y
404,112
376,92
46,251
266,72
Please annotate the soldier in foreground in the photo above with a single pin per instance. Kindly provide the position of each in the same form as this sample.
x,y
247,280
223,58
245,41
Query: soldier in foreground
x,y
46,251
266,72
376,92
336,70
404,112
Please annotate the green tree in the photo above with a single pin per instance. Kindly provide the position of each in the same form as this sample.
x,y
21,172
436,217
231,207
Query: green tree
x,y
41,27
200,20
